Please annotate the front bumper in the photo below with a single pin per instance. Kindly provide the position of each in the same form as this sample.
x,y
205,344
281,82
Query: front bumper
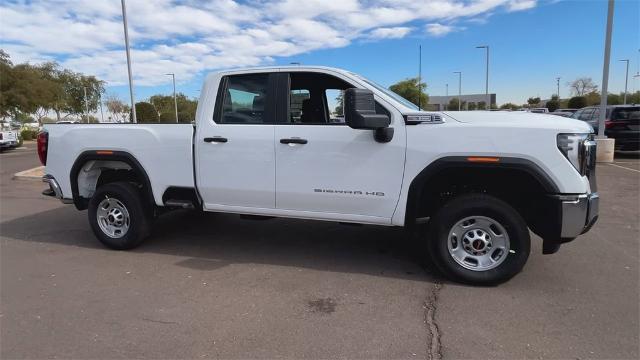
x,y
569,216
579,213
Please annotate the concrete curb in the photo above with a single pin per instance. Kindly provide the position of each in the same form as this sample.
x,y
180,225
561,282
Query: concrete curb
x,y
31,174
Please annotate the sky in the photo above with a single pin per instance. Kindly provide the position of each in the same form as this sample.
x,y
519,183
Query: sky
x,y
532,42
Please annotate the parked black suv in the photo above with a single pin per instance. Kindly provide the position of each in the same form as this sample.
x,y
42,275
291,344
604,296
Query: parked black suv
x,y
622,123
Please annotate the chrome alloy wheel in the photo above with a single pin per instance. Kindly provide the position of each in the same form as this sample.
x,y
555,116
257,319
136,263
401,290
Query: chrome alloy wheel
x,y
113,217
478,243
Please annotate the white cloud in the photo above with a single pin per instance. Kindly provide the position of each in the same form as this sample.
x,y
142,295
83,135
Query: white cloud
x,y
437,29
519,5
188,37
390,33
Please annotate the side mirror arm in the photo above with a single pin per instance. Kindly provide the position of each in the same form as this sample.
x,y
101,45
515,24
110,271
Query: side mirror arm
x,y
383,135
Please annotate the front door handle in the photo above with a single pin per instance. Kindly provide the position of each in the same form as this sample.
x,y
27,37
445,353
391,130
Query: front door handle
x,y
293,141
218,139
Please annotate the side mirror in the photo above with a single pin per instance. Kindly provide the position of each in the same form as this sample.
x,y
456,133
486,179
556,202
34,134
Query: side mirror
x,y
360,110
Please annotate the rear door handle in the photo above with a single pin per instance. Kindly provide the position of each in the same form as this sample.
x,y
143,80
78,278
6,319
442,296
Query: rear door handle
x,y
293,141
218,139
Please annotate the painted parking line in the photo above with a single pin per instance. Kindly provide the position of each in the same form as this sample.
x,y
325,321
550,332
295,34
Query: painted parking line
x,y
624,167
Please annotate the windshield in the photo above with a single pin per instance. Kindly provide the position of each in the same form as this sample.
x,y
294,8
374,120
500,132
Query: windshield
x,y
391,94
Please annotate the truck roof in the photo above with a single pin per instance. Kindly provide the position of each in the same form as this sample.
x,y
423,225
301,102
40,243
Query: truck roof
x,y
281,67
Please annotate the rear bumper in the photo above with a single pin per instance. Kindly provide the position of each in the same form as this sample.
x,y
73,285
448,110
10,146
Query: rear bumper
x,y
54,189
625,139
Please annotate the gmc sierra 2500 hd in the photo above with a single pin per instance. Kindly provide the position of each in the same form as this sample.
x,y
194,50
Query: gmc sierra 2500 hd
x,y
327,144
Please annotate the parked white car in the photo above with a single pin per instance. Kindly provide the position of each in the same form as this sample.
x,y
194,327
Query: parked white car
x,y
8,137
482,179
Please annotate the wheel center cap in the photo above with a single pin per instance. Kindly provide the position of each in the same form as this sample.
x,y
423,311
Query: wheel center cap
x,y
478,244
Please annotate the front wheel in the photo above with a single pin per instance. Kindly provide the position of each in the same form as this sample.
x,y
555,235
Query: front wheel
x,y
478,239
118,216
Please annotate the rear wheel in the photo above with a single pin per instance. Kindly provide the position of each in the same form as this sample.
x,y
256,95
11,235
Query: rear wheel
x,y
118,216
478,239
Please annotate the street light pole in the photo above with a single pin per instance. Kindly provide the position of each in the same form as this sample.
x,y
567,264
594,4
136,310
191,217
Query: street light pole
x,y
605,71
126,44
419,76
86,104
486,88
101,113
558,85
446,99
175,101
459,88
626,80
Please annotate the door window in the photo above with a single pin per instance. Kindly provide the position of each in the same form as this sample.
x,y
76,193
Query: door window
x,y
335,101
586,114
317,99
244,99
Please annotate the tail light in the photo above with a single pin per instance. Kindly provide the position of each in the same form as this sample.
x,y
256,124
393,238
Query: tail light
x,y
43,145
608,124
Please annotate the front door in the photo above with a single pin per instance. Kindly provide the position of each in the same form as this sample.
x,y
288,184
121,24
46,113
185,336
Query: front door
x,y
235,150
325,168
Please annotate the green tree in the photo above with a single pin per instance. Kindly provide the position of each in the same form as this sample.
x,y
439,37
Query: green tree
x,y
482,105
633,98
582,86
166,107
453,104
533,101
577,102
75,86
6,79
592,98
614,99
509,106
117,108
339,104
146,113
38,89
472,106
412,91
554,103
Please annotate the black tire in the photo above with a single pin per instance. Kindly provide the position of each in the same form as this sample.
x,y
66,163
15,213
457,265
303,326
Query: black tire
x,y
481,205
138,220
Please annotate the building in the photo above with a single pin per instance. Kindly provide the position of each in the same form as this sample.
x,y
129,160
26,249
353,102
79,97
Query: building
x,y
439,103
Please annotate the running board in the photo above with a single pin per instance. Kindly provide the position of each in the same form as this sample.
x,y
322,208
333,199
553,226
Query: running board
x,y
185,204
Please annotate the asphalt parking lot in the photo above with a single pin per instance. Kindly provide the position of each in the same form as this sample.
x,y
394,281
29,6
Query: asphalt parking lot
x,y
217,286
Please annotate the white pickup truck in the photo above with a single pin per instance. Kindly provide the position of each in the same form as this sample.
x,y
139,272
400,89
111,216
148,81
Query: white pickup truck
x,y
8,138
327,144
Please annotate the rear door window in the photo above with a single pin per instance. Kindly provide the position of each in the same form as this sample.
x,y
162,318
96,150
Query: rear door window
x,y
244,100
626,113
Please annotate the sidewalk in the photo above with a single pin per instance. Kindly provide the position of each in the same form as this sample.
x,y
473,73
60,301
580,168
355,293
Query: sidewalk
x,y
32,174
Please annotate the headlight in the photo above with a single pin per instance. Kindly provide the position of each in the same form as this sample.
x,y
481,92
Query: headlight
x,y
572,146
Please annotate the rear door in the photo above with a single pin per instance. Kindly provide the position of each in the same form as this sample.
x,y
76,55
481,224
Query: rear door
x,y
326,169
235,150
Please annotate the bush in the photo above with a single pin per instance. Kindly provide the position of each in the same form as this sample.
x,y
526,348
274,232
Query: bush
x,y
577,102
553,105
28,134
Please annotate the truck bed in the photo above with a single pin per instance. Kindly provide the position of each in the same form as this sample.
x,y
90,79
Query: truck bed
x,y
163,150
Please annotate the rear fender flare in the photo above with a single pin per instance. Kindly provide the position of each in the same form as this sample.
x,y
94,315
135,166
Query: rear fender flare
x,y
137,168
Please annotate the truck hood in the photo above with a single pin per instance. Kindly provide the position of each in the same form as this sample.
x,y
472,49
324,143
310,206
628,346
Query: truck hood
x,y
520,119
